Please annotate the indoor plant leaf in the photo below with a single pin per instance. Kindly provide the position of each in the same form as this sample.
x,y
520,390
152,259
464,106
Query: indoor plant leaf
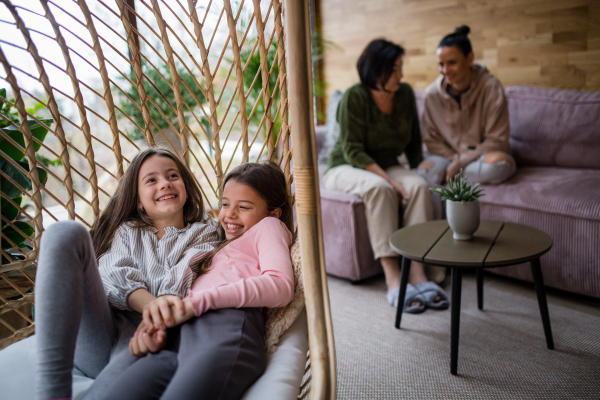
x,y
15,236
9,212
42,174
459,190
3,95
38,131
8,189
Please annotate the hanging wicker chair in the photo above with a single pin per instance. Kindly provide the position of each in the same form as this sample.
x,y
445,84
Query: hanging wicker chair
x,y
89,83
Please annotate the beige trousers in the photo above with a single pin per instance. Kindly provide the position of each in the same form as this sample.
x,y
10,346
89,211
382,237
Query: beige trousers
x,y
382,203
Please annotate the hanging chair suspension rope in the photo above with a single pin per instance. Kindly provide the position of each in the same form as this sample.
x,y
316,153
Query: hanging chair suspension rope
x,y
264,70
108,98
134,50
85,126
284,132
239,76
183,129
210,93
322,355
52,107
25,129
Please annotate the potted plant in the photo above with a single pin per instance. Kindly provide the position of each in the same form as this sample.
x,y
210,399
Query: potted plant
x,y
462,206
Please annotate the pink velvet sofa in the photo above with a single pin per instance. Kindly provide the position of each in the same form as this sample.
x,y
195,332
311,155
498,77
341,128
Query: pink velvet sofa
x,y
555,139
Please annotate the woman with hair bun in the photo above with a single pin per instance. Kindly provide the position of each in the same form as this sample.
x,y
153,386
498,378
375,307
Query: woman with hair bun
x,y
465,120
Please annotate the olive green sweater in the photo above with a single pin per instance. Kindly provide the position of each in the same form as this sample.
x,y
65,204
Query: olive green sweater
x,y
369,136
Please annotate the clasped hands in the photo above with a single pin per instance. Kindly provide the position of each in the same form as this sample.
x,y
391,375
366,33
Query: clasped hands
x,y
451,170
161,313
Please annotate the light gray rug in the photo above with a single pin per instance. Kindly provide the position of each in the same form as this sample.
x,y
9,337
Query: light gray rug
x,y
502,352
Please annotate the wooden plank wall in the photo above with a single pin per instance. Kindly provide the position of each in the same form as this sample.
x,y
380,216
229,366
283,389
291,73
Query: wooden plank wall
x,y
547,43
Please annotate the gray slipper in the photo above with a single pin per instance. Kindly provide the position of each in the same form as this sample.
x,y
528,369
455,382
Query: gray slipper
x,y
431,290
412,295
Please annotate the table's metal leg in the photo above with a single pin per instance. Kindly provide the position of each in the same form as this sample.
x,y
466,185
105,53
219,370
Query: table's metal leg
x,y
455,318
479,275
403,283
538,281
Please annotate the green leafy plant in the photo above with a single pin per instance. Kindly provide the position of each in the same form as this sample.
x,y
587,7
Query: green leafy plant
x,y
459,190
15,231
161,92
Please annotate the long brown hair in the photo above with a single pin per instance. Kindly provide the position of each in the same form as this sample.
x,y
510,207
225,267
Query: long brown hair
x,y
268,180
123,205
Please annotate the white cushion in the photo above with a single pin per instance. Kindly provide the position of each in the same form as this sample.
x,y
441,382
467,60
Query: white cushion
x,y
333,128
285,367
281,380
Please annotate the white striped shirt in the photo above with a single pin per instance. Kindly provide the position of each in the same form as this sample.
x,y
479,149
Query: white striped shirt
x,y
138,260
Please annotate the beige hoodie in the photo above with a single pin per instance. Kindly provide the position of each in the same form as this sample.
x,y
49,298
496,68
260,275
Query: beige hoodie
x,y
463,132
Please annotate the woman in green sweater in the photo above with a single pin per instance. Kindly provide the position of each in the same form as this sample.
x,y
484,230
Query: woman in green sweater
x,y
378,122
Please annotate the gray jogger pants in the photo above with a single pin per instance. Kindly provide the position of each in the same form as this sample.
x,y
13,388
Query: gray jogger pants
x,y
216,356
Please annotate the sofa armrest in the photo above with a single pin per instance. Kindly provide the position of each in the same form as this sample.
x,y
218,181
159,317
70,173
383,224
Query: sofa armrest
x,y
346,241
340,197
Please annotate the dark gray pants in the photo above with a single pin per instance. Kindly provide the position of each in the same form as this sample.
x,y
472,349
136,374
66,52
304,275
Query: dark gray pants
x,y
216,356
74,322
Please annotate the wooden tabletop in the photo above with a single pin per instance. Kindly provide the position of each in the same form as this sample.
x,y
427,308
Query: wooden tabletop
x,y
495,244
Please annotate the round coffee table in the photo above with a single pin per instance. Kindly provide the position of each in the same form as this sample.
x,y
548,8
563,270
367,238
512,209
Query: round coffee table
x,y
495,244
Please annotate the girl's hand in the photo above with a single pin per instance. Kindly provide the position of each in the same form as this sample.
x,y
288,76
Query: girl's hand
x,y
143,342
162,312
188,312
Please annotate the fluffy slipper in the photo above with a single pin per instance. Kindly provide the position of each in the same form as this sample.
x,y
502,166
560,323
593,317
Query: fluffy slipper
x,y
412,295
431,290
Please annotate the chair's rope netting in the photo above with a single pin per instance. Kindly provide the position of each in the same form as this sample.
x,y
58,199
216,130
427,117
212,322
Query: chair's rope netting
x,y
106,78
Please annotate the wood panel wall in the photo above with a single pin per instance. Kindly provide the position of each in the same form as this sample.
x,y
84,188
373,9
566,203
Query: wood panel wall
x,y
547,43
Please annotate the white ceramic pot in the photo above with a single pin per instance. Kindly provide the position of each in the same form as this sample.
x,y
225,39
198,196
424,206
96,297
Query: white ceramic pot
x,y
463,218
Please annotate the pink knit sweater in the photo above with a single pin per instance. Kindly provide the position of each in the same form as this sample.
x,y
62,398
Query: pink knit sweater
x,y
254,270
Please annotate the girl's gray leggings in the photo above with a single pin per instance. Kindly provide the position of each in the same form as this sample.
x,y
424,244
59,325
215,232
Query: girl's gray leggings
x,y
218,355
75,325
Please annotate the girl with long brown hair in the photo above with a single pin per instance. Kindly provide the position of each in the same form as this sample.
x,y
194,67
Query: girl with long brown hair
x,y
92,288
221,352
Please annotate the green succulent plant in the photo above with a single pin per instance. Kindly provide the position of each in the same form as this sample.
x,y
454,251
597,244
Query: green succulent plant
x,y
459,190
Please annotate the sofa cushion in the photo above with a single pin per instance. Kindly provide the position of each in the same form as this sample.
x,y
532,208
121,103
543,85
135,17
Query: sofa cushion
x,y
559,191
564,203
332,128
554,127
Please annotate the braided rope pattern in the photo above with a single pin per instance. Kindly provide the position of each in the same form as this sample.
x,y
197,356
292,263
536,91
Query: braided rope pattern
x,y
306,199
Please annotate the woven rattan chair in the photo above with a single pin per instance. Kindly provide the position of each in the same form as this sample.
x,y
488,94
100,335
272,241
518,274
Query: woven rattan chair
x,y
219,83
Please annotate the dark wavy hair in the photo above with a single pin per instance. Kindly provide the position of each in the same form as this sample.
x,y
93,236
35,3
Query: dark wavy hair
x,y
268,180
376,63
459,39
123,205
